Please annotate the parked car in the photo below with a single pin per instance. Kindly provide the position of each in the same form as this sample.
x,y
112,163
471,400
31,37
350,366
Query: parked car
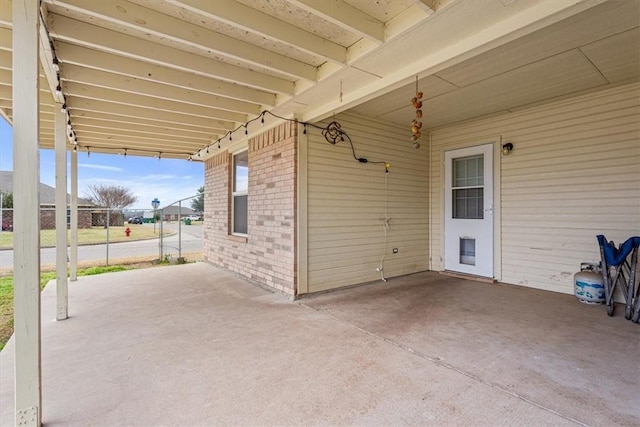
x,y
194,218
136,220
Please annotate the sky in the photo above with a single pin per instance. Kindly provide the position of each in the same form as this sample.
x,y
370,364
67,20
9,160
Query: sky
x,y
147,178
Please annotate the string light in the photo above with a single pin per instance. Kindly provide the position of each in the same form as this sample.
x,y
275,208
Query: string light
x,y
75,148
88,151
218,144
64,108
246,130
207,149
59,90
159,155
56,64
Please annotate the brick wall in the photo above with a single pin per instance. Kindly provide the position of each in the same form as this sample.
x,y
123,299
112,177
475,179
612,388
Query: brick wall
x,y
268,254
48,218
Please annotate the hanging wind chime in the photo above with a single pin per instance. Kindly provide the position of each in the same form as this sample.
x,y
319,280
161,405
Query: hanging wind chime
x,y
416,124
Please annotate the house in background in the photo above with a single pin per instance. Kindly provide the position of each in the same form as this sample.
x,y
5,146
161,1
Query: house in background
x,y
175,213
47,205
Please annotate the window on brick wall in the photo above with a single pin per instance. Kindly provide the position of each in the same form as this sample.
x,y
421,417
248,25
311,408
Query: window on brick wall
x,y
240,192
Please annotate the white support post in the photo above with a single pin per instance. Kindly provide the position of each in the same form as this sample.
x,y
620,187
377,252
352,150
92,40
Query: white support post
x,y
73,256
62,288
26,233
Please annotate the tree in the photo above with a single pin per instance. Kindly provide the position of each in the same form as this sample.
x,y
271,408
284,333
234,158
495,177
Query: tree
x,y
110,196
114,198
197,204
7,200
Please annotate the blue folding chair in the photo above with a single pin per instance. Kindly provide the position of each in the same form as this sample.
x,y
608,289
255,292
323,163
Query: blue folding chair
x,y
618,269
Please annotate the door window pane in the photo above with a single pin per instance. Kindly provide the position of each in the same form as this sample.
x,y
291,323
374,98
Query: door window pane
x,y
467,251
468,171
468,187
468,203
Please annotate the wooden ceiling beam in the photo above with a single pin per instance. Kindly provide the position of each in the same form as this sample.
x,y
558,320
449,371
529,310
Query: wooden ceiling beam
x,y
116,120
165,27
345,16
91,36
99,106
76,74
249,19
93,59
93,142
148,129
78,90
135,136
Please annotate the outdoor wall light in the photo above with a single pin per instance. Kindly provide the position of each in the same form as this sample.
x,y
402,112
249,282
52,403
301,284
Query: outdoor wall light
x,y
507,148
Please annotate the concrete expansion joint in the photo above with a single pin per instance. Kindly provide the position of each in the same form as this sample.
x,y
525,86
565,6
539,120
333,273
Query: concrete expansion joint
x,y
439,362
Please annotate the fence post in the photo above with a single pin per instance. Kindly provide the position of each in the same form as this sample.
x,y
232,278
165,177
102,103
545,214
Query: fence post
x,y
160,228
108,218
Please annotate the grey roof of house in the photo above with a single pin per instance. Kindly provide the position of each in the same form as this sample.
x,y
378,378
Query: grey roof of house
x,y
47,193
173,210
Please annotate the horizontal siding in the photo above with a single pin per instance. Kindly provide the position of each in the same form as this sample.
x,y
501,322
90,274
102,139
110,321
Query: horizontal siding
x,y
574,173
346,205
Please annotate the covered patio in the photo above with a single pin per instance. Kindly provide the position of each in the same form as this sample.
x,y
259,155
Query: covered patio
x,y
555,81
194,345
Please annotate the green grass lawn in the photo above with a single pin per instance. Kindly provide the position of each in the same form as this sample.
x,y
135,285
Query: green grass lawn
x,y
6,296
87,236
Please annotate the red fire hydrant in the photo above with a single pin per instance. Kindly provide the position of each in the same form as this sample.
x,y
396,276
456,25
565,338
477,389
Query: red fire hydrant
x,y
127,231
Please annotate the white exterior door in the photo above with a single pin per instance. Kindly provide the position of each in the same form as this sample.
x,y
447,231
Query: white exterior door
x,y
468,225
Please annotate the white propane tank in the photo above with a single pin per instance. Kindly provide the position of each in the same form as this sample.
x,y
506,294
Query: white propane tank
x,y
589,284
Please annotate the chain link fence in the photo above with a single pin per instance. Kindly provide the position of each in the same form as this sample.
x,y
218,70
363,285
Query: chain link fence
x,y
109,237
182,237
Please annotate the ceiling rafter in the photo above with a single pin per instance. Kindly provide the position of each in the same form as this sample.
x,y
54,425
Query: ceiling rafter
x,y
133,135
249,19
6,14
76,74
100,106
430,6
94,145
164,27
346,16
6,39
102,123
93,59
99,93
5,59
87,35
119,121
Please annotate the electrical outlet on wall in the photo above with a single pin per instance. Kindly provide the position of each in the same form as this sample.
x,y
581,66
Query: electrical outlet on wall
x,y
395,250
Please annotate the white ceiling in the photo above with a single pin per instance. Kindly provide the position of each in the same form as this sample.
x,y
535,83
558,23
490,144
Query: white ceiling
x,y
175,76
594,49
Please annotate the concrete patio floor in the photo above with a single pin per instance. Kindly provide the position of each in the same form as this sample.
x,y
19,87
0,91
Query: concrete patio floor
x,y
192,345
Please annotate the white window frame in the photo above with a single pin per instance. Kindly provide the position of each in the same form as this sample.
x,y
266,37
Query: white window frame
x,y
234,194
